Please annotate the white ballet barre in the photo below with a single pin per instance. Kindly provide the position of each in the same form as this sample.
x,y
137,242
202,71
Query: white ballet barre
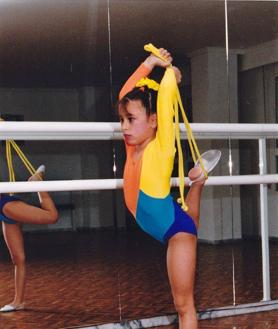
x,y
38,130
111,184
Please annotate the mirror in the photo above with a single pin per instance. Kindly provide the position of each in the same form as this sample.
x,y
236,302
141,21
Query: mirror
x,y
66,61
257,68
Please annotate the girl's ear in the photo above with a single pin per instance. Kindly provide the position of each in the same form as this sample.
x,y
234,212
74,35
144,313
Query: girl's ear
x,y
153,120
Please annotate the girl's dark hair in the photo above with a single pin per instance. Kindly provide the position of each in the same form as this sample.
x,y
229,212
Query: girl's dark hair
x,y
147,97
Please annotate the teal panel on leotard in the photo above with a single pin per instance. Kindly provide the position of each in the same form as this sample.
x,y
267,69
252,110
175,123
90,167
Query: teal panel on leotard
x,y
155,215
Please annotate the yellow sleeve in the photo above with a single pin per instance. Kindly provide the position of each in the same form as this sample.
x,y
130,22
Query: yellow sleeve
x,y
158,157
165,112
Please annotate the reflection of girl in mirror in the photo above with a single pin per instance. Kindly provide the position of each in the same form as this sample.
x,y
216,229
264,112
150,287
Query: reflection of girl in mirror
x,y
13,213
150,146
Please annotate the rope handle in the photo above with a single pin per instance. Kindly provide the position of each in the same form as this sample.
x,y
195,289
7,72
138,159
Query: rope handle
x,y
155,51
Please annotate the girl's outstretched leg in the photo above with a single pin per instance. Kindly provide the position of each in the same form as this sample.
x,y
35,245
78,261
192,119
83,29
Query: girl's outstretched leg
x,y
24,213
193,197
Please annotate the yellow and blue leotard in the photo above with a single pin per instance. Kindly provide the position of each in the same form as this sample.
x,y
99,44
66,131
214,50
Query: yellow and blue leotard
x,y
147,180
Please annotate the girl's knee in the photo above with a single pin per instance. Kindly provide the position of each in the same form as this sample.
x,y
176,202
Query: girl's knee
x,y
18,259
184,305
53,217
183,309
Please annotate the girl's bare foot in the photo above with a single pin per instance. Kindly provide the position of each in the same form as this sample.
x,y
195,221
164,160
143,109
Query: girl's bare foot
x,y
196,176
209,161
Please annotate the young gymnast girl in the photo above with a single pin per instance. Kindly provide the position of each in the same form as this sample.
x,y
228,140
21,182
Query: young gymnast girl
x,y
14,213
150,146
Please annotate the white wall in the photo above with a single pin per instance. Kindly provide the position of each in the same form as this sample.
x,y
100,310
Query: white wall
x,y
254,90
220,206
257,105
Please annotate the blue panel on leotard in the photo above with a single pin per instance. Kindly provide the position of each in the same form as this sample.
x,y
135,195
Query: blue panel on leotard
x,y
5,198
183,223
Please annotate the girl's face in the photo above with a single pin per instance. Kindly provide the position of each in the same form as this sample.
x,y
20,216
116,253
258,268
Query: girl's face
x,y
138,128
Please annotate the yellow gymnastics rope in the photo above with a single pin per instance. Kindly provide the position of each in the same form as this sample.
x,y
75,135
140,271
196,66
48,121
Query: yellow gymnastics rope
x,y
177,104
21,155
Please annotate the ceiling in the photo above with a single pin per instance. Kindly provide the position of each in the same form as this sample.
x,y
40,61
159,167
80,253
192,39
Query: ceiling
x,y
73,43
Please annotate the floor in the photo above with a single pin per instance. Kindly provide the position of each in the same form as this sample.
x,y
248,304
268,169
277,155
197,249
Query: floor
x,y
78,279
